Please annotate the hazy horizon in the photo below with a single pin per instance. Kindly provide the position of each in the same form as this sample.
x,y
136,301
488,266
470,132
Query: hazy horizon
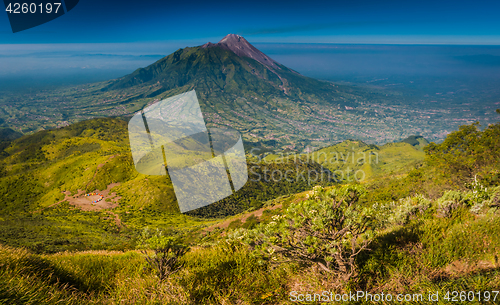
x,y
52,65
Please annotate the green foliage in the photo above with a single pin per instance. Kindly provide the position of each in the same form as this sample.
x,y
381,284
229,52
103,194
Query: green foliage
x,y
63,228
327,230
266,181
356,161
460,238
466,153
478,199
251,222
228,273
466,157
403,211
235,224
450,201
168,252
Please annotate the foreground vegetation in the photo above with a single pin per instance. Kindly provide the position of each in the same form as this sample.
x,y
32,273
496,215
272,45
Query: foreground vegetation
x,y
415,251
432,230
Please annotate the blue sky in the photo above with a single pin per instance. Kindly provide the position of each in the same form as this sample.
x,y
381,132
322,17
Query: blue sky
x,y
195,22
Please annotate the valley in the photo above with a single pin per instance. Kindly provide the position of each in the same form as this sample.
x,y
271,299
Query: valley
x,y
350,188
273,107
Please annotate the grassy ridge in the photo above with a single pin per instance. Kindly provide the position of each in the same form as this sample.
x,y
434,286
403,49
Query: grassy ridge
x,y
35,170
357,161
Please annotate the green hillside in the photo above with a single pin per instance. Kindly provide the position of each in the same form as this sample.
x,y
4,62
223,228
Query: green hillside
x,y
416,141
44,177
357,161
434,235
84,157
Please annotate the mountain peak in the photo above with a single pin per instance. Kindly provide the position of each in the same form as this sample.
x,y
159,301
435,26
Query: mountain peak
x,y
241,47
232,38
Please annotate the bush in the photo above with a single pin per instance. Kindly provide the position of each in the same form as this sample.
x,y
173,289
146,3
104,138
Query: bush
x,y
450,201
477,197
408,208
326,230
465,154
167,253
495,197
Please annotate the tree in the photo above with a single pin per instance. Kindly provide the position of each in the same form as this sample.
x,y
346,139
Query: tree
x,y
466,153
167,253
327,229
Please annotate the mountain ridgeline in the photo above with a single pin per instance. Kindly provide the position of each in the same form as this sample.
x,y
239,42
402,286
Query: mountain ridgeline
x,y
43,178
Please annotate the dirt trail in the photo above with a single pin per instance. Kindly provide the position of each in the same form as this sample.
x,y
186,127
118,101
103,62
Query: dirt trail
x,y
118,221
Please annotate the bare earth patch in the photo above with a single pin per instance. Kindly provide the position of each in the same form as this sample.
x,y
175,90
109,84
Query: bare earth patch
x,y
109,201
459,267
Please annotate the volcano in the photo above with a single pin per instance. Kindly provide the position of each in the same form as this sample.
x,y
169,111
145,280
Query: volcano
x,y
241,87
231,66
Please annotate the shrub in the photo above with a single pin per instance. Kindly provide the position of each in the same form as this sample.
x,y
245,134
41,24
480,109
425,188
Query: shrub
x,y
235,224
495,197
251,222
477,197
408,208
450,201
167,253
327,229
466,153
